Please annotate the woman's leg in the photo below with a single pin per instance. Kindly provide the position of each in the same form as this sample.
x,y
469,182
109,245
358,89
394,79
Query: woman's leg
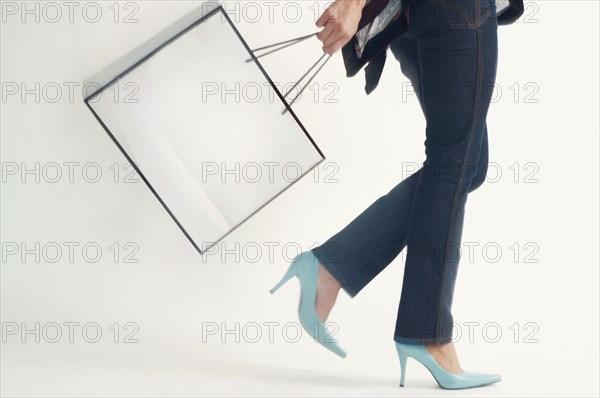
x,y
457,52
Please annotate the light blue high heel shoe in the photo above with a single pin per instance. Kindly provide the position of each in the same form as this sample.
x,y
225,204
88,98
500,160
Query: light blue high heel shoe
x,y
445,379
306,266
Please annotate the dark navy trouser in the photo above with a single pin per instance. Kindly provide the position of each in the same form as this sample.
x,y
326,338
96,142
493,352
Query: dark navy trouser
x,y
449,53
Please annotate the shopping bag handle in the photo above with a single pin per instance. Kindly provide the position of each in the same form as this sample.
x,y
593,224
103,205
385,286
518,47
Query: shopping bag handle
x,y
285,44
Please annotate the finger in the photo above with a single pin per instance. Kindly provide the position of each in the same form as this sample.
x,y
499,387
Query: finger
x,y
336,12
325,33
324,17
336,46
333,38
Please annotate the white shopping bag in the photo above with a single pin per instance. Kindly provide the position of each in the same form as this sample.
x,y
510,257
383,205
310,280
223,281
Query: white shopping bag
x,y
201,133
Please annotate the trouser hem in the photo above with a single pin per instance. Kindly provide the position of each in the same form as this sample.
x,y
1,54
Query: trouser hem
x,y
344,283
429,340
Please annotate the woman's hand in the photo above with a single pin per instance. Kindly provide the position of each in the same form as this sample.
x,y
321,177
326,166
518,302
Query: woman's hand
x,y
341,23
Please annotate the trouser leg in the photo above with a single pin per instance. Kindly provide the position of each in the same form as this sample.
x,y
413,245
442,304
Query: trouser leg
x,y
457,68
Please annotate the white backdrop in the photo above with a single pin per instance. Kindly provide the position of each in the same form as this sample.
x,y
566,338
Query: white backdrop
x,y
83,252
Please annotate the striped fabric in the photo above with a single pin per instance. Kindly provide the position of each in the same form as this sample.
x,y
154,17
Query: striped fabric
x,y
391,10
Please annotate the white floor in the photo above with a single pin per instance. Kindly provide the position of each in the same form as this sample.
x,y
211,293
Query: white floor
x,y
247,370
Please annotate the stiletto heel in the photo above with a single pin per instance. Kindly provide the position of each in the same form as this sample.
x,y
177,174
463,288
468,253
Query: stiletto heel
x,y
403,358
291,272
306,266
445,379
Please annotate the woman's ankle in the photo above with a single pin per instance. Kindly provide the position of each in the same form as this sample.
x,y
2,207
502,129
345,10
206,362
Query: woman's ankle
x,y
445,355
327,290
